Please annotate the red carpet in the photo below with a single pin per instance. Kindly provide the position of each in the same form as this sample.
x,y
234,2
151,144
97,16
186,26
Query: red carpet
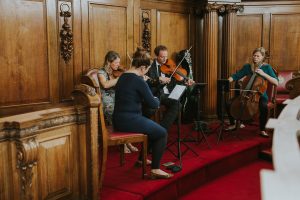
x,y
242,184
126,182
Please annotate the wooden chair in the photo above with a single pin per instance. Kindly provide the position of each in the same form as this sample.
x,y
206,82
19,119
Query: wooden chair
x,y
272,95
271,92
108,135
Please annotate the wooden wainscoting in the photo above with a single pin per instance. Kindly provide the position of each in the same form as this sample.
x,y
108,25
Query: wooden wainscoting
x,y
47,155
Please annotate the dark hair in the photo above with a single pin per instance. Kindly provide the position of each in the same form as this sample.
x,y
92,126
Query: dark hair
x,y
159,48
110,57
141,58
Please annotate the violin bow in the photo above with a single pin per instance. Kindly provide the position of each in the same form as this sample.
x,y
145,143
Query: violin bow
x,y
185,54
129,59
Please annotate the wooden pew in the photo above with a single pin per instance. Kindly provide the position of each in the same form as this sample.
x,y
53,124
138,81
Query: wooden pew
x,y
51,154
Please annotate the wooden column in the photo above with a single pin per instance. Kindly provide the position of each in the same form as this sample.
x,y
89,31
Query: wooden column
x,y
210,58
229,40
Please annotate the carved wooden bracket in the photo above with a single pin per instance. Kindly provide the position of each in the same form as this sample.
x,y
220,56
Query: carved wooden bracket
x,y
233,8
66,35
146,43
220,8
27,156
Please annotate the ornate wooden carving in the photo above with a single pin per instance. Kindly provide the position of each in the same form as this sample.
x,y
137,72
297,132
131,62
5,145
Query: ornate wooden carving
x,y
146,37
13,129
233,8
214,8
66,35
293,86
27,156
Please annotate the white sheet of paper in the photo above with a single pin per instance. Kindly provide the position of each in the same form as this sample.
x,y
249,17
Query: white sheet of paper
x,y
177,92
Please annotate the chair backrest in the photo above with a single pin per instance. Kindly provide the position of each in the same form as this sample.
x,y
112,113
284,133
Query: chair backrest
x,y
91,78
272,90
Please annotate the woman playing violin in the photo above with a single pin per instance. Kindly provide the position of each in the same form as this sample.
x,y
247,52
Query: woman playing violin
x,y
108,77
160,87
265,71
131,92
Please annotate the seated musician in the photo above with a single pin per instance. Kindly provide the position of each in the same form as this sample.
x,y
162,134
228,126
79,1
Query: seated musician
x,y
108,80
264,70
131,91
161,85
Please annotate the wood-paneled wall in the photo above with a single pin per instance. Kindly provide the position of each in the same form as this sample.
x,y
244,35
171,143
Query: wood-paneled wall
x,y
34,76
275,26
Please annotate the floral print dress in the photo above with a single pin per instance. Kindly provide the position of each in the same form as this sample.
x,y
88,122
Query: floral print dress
x,y
108,99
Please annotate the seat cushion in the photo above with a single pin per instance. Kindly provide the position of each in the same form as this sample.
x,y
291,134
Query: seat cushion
x,y
280,98
284,76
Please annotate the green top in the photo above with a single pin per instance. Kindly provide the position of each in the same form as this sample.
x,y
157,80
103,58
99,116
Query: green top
x,y
246,70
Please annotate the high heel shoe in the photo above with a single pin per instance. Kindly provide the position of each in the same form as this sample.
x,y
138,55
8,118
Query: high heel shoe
x,y
131,147
160,176
126,149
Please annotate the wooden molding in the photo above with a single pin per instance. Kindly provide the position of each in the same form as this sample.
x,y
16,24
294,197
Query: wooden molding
x,y
27,156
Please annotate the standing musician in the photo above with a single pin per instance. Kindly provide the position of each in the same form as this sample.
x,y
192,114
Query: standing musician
x,y
108,77
161,85
267,73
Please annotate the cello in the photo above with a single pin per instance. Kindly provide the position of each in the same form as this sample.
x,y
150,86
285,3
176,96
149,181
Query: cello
x,y
245,106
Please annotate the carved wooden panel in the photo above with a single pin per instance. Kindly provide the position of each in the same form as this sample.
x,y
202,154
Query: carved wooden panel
x,y
106,35
55,169
4,171
173,31
249,37
28,56
24,57
285,41
107,26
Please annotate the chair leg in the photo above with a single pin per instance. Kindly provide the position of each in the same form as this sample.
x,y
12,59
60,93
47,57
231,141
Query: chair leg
x,y
122,154
144,149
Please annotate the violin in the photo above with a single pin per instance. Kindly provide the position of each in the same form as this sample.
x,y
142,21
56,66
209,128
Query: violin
x,y
117,73
170,68
245,106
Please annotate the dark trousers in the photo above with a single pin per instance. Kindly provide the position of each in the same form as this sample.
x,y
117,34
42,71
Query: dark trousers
x,y
157,135
173,107
263,113
171,113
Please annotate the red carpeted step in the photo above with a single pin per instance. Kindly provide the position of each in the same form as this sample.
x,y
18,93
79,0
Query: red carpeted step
x,y
113,194
228,155
241,184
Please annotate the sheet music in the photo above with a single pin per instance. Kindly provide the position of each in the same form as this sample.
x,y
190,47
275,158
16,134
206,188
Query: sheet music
x,y
177,92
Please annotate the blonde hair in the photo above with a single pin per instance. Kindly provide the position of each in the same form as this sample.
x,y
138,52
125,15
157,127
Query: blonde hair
x,y
261,50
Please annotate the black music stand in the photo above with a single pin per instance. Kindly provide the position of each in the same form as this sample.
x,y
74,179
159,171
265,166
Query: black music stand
x,y
176,94
222,88
200,126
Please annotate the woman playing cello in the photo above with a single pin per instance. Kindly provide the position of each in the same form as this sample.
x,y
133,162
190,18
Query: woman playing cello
x,y
265,71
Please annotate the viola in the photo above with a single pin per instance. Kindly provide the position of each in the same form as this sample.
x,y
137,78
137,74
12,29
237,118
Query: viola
x,y
170,68
245,106
117,73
